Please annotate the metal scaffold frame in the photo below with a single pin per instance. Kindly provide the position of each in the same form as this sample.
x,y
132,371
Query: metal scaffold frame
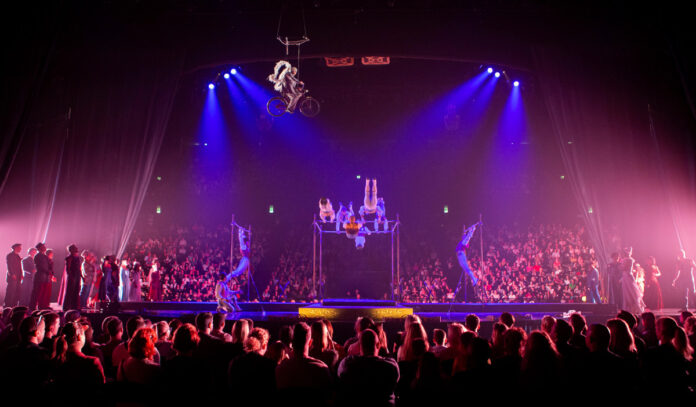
x,y
318,231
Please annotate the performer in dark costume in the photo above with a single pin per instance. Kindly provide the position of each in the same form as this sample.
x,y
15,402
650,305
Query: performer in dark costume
x,y
684,281
73,271
14,276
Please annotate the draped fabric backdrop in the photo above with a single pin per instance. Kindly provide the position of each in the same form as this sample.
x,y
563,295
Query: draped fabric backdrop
x,y
90,139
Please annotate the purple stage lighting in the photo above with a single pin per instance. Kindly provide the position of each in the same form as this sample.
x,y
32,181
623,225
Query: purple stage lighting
x,y
497,74
516,83
233,71
490,70
226,76
211,86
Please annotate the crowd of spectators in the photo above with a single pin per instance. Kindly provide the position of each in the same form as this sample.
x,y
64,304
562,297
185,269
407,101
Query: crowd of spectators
x,y
542,264
191,258
62,358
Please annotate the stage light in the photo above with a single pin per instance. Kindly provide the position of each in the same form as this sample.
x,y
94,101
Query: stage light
x,y
562,176
357,176
226,75
584,298
205,144
590,211
516,83
446,209
497,74
271,209
159,178
233,71
490,70
211,86
159,209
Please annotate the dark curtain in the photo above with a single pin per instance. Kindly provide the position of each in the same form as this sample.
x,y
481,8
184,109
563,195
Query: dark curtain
x,y
88,153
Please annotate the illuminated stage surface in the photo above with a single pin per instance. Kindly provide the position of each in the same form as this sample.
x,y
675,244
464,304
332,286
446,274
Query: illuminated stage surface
x,y
350,309
343,313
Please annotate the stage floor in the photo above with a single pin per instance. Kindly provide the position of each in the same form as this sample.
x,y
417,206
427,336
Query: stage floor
x,y
342,313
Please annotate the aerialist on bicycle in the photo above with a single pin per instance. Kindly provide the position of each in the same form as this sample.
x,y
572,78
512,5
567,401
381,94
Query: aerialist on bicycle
x,y
285,81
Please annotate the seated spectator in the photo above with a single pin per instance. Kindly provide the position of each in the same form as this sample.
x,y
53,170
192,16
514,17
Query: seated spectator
x,y
439,341
540,369
121,353
276,352
352,345
648,331
52,321
321,348
184,371
219,321
140,366
10,336
547,323
472,323
497,345
665,369
368,378
508,366
690,328
579,324
301,378
25,366
163,344
414,331
75,369
476,374
90,348
632,322
507,318
604,366
681,344
252,375
115,330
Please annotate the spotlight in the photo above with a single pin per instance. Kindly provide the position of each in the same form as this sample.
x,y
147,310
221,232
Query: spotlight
x,y
233,71
490,70
357,176
497,74
211,86
516,83
271,209
226,75
445,209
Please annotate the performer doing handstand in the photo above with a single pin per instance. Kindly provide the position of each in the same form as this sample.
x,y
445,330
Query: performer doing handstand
x,y
461,252
326,210
372,204
226,298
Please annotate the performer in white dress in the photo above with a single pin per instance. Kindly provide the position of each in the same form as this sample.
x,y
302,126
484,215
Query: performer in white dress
x,y
632,296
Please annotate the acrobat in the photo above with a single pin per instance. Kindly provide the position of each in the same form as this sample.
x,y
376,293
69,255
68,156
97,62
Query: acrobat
x,y
226,297
326,210
284,78
343,215
245,250
461,252
373,205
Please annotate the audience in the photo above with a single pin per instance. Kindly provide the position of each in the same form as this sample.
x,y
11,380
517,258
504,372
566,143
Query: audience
x,y
249,368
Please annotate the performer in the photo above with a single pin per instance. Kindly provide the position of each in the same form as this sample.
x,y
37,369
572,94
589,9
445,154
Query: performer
x,y
653,291
244,248
226,298
73,279
461,252
632,297
372,204
14,276
135,293
29,269
125,278
614,271
155,282
592,282
284,79
326,210
352,228
684,281
41,292
344,215
88,274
